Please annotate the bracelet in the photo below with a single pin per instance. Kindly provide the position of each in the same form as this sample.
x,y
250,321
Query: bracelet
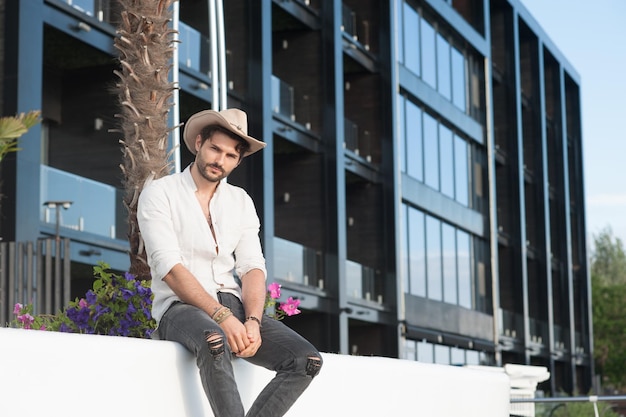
x,y
222,314
254,319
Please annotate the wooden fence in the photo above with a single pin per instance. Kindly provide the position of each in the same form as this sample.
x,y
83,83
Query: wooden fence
x,y
36,273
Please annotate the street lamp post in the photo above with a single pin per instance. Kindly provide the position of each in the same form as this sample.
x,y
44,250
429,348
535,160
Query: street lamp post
x,y
57,263
57,205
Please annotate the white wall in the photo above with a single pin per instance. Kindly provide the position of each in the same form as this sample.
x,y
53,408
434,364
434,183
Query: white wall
x,y
54,374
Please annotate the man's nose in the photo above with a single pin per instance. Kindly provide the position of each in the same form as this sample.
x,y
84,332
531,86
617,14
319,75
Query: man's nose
x,y
219,159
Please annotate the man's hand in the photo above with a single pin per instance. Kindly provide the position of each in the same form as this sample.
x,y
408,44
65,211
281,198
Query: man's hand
x,y
244,340
254,338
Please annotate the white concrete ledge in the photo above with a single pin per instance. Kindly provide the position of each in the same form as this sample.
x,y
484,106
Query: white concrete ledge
x,y
54,374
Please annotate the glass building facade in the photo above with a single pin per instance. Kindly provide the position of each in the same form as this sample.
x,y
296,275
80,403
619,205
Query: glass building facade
x,y
421,192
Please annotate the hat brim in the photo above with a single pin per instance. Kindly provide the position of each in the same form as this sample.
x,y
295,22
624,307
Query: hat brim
x,y
200,120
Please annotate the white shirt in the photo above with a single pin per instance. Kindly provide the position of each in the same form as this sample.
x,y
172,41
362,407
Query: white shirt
x,y
175,230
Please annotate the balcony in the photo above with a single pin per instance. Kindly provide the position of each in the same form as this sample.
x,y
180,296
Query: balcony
x,y
94,204
297,264
282,99
362,283
103,10
194,49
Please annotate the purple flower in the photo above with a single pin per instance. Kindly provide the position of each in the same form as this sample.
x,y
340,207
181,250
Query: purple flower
x,y
126,294
100,311
91,297
65,328
129,276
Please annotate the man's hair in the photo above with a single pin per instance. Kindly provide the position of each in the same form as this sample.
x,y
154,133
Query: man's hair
x,y
242,145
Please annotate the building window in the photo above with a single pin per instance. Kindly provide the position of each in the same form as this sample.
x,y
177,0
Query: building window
x,y
442,262
431,54
428,352
434,154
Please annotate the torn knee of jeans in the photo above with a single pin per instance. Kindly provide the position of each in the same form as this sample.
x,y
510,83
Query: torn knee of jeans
x,y
313,365
215,342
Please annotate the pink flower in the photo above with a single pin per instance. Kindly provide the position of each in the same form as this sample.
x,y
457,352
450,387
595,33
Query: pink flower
x,y
290,307
43,327
274,289
17,309
26,320
83,303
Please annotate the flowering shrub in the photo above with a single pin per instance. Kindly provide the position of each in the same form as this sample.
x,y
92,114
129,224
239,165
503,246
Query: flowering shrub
x,y
286,308
121,306
116,306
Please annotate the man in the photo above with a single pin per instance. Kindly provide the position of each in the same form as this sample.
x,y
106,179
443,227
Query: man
x,y
199,232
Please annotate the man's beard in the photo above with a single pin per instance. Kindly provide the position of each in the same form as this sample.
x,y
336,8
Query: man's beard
x,y
209,176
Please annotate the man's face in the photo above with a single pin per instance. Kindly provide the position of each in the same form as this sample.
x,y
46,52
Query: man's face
x,y
216,157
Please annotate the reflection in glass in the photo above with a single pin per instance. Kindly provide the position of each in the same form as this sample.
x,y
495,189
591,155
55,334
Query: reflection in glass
x,y
444,82
442,354
417,253
461,171
448,238
399,33
412,39
414,151
94,203
410,350
402,134
431,152
464,268
428,54
425,352
457,356
288,260
433,256
446,153
458,79
404,254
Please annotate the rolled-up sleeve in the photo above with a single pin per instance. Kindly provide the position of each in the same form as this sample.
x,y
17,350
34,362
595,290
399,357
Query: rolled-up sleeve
x,y
158,232
248,253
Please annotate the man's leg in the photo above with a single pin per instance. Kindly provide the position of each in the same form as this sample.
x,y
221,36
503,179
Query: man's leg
x,y
195,330
295,360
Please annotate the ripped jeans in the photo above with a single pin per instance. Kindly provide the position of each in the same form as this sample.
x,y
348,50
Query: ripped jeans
x,y
294,359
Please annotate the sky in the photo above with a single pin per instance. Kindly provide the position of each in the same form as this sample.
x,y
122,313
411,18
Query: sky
x,y
592,37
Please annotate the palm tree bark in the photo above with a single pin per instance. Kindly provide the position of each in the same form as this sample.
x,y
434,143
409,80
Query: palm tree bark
x,y
144,41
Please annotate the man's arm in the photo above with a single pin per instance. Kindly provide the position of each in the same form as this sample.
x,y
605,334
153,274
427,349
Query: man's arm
x,y
189,290
253,293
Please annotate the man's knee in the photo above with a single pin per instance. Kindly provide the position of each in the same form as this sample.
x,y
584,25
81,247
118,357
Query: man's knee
x,y
313,365
215,343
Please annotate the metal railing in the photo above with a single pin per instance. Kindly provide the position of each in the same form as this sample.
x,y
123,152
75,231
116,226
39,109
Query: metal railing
x,y
594,399
36,273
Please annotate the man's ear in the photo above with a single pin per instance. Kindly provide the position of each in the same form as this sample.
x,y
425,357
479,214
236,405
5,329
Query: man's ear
x,y
198,143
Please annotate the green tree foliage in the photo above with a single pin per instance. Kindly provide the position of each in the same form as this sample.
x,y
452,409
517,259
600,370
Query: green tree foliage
x,y
580,409
608,277
12,128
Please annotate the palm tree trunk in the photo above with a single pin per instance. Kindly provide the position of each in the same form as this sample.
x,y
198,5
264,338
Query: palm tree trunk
x,y
144,91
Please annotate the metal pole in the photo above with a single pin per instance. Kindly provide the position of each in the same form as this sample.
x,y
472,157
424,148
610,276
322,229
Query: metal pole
x,y
591,398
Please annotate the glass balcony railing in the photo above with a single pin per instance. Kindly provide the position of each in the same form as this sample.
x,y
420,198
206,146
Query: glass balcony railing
x,y
93,205
539,332
362,282
282,98
511,324
296,263
561,338
194,49
348,21
103,10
